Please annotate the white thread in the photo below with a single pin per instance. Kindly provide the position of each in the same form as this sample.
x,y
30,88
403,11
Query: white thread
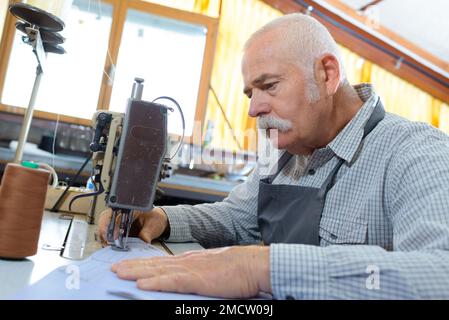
x,y
54,141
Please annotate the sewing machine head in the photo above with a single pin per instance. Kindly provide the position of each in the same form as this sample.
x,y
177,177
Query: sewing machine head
x,y
129,155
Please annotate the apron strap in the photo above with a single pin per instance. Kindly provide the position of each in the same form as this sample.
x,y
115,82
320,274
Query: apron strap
x,y
377,116
281,163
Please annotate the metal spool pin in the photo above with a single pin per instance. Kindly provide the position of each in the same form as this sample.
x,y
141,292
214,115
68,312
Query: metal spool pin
x,y
41,29
47,36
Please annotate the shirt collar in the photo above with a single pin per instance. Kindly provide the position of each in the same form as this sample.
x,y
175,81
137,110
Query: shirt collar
x,y
346,143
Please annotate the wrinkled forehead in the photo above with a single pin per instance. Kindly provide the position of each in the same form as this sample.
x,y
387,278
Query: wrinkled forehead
x,y
265,61
266,54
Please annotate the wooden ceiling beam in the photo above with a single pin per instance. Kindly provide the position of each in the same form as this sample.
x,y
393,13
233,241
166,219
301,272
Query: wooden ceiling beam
x,y
362,18
371,47
371,3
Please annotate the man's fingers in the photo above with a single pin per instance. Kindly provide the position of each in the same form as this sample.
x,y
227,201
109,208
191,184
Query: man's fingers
x,y
118,218
146,236
148,272
151,228
146,262
134,263
103,223
189,253
146,225
153,261
149,232
175,282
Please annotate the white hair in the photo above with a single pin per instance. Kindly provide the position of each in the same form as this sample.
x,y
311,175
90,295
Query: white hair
x,y
306,38
269,121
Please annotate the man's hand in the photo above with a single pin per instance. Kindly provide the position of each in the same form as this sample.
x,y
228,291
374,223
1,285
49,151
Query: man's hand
x,y
147,225
232,272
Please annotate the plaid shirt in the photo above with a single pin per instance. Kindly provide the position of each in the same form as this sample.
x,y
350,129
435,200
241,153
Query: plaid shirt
x,y
385,225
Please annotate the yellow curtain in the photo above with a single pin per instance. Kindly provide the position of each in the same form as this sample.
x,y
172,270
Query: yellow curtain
x,y
401,97
444,117
354,65
398,96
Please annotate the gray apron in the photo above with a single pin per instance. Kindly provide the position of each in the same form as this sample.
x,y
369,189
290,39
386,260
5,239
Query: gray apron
x,y
292,214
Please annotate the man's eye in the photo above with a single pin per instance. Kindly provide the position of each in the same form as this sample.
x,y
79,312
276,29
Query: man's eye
x,y
271,85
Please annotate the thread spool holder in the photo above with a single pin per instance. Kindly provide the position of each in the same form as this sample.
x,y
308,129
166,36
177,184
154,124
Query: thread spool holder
x,y
34,20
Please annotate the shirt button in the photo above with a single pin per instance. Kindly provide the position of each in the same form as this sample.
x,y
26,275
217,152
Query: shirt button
x,y
312,172
289,297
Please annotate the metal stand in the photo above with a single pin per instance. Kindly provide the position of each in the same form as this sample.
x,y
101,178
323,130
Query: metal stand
x,y
33,20
28,116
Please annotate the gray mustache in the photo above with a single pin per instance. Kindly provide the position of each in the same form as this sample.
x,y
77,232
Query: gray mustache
x,y
269,121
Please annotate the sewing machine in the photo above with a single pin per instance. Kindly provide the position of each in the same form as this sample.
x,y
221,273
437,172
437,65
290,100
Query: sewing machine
x,y
129,158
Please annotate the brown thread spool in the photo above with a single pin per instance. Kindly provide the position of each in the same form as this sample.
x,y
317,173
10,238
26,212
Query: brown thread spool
x,y
22,200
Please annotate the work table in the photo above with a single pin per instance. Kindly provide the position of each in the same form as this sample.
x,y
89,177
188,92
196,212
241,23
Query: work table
x,y
56,232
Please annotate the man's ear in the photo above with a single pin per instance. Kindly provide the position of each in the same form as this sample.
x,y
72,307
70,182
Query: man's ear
x,y
327,73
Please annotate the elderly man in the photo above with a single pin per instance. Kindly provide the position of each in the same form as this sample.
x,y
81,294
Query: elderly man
x,y
358,206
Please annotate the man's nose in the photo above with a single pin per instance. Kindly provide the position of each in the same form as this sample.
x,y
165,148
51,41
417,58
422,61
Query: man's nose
x,y
258,106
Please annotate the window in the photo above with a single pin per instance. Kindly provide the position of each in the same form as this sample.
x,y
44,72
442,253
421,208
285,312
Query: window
x,y
109,43
71,82
168,54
